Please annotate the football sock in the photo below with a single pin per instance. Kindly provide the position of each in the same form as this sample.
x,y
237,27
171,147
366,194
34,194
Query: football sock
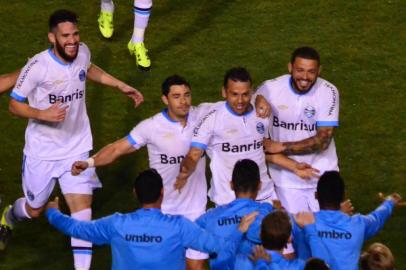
x,y
107,5
142,10
82,250
17,213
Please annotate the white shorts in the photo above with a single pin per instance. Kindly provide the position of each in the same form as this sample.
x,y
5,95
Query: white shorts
x,y
296,200
272,197
39,177
191,253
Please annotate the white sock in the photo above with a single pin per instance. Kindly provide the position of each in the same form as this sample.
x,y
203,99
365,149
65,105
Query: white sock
x,y
17,212
82,250
107,5
142,11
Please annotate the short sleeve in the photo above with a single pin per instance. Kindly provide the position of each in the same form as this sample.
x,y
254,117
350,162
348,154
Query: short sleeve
x,y
30,76
140,134
204,129
329,106
86,53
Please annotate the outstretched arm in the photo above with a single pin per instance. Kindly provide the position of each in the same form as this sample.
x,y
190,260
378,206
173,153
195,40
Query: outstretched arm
x,y
98,75
7,81
188,166
314,144
105,156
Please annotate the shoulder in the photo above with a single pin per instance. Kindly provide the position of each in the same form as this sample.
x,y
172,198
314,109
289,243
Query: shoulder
x,y
83,49
326,85
272,83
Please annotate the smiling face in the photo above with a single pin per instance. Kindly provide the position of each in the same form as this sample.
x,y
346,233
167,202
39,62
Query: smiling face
x,y
238,95
65,40
304,73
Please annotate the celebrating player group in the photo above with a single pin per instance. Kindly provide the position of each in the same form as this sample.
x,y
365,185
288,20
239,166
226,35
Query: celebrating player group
x,y
278,197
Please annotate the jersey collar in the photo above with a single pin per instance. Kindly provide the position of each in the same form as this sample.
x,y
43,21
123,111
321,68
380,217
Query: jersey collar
x,y
296,91
59,61
233,113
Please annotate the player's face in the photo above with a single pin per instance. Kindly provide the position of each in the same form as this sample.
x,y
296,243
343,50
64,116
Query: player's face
x,y
304,73
238,96
65,39
179,100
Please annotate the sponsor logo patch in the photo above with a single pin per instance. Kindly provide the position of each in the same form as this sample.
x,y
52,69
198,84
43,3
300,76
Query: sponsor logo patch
x,y
260,128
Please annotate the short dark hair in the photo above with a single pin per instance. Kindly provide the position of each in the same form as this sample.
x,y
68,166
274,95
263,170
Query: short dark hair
x,y
173,80
330,189
237,74
316,264
275,230
60,16
245,176
148,186
306,53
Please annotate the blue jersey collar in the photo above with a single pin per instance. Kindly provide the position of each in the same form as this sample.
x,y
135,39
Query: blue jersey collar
x,y
166,115
230,110
59,61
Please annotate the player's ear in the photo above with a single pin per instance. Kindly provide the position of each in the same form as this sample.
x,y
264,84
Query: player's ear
x,y
164,99
51,37
223,92
231,185
290,67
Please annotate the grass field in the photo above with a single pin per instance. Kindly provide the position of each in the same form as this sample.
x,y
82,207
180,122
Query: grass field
x,y
362,45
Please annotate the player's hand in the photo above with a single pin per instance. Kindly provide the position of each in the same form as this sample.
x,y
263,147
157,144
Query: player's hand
x,y
305,171
181,179
277,204
262,107
304,218
55,113
132,93
273,147
78,167
347,207
53,204
246,221
258,253
395,197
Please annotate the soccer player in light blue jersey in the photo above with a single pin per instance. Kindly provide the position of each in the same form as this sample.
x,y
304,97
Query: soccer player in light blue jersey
x,y
147,238
224,220
342,235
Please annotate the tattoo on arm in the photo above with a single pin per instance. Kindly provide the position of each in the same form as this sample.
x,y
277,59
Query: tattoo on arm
x,y
315,144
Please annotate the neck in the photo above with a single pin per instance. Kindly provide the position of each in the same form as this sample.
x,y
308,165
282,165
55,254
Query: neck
x,y
151,205
330,207
55,52
181,119
246,195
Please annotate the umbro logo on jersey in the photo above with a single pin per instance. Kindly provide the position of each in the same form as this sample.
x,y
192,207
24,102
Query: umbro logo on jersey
x,y
282,107
143,238
260,128
76,95
82,75
293,126
54,83
226,221
309,111
335,235
227,147
232,131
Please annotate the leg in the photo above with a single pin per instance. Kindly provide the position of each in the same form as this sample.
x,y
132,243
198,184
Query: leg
x,y
105,20
192,264
195,260
142,11
80,208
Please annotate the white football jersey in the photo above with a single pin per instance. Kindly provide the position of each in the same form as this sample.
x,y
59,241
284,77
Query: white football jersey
x,y
229,137
44,80
296,117
168,142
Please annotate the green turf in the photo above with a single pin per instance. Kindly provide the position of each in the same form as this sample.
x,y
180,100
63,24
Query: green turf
x,y
362,48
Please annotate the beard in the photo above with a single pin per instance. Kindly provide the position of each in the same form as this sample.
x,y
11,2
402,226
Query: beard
x,y
60,49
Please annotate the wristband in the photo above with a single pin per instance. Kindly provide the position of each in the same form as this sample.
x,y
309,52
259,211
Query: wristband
x,y
90,162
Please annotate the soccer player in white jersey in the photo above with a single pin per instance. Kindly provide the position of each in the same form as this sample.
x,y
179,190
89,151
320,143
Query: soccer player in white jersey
x,y
304,114
142,11
167,136
230,131
58,130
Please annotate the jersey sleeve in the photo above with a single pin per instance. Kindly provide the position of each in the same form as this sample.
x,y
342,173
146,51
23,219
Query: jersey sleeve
x,y
98,231
375,220
329,106
86,52
192,236
204,130
30,76
140,134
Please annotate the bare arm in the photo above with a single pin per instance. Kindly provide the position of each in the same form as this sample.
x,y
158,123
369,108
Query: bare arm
x,y
188,166
301,169
7,81
314,144
98,75
105,156
55,113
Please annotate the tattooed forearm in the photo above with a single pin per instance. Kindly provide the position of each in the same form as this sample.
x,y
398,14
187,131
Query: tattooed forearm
x,y
317,143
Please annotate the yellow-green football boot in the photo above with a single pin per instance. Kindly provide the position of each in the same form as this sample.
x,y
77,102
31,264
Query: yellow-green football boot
x,y
106,24
141,55
5,229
